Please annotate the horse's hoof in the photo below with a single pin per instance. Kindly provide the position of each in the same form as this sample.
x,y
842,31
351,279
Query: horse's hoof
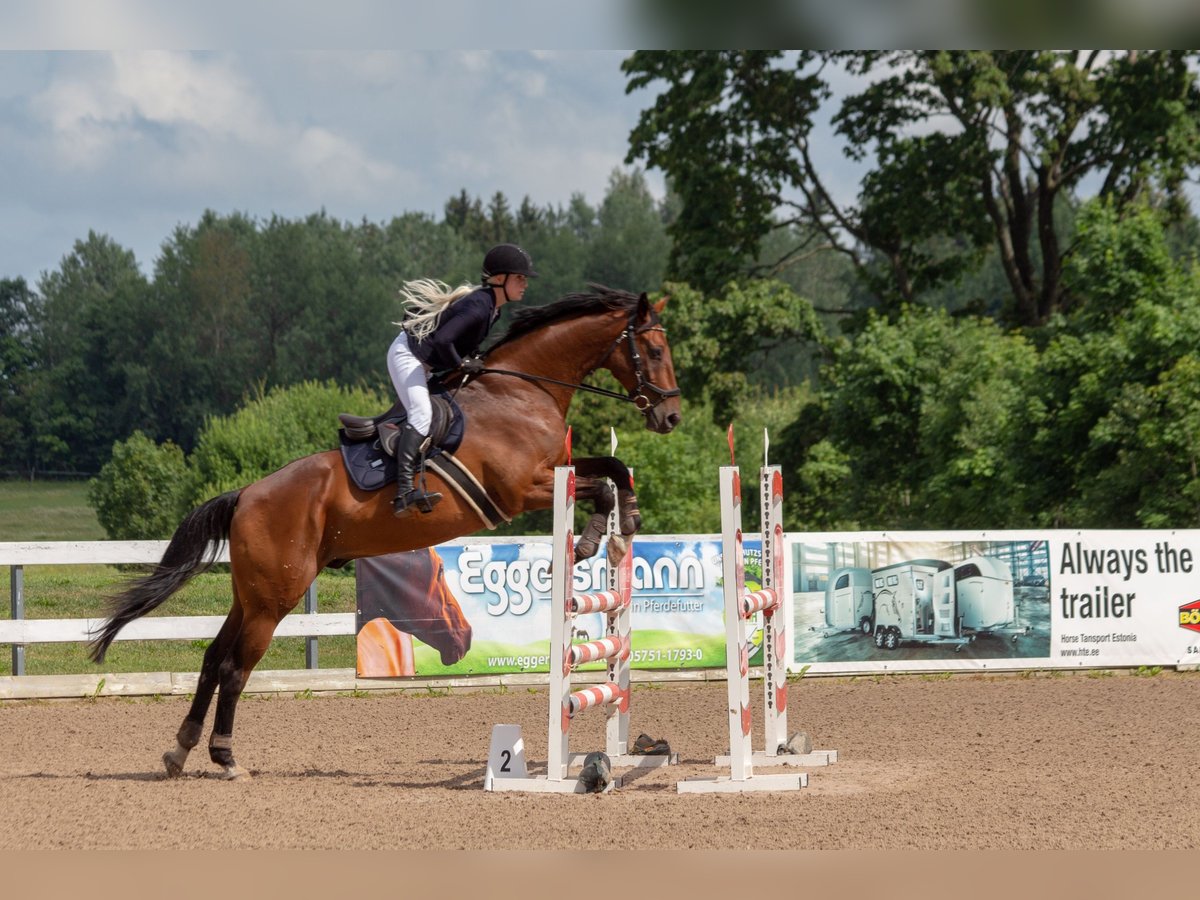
x,y
174,766
235,773
617,548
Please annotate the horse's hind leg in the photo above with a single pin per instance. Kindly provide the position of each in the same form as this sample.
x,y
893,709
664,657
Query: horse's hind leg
x,y
248,648
193,722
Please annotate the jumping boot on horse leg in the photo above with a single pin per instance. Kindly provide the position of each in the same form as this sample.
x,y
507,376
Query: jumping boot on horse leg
x,y
187,738
408,451
220,751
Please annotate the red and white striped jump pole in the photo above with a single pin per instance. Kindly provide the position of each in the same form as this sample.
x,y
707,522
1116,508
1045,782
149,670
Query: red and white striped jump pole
x,y
614,648
740,607
565,604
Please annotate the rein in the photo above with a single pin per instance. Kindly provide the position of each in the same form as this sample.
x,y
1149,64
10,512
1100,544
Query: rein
x,y
638,397
603,392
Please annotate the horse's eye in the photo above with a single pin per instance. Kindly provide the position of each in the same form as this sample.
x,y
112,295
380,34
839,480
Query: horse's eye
x,y
656,352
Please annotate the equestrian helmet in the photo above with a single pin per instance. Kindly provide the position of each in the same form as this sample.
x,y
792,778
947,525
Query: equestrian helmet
x,y
508,259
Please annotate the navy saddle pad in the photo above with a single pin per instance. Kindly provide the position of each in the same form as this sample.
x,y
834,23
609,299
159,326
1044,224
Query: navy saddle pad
x,y
370,468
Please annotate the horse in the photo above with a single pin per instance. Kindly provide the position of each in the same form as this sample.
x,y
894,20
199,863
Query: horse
x,y
284,528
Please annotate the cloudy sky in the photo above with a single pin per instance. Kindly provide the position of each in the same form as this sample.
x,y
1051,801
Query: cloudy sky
x,y
98,132
131,143
112,119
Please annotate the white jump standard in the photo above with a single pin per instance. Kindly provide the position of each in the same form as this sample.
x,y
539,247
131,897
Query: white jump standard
x,y
612,694
741,605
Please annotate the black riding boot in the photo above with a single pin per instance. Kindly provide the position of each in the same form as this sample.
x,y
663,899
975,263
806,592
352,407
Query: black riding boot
x,y
408,450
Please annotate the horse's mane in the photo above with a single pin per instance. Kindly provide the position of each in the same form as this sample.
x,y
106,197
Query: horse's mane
x,y
532,318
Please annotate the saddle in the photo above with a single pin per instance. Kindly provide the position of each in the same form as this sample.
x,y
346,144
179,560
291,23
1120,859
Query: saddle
x,y
368,443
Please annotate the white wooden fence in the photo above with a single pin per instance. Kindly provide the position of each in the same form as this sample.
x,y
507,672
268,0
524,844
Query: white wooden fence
x,y
20,631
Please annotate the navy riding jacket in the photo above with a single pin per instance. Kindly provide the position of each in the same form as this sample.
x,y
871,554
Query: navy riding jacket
x,y
460,331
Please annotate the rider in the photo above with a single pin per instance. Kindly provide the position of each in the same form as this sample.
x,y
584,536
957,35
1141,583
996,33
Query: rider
x,y
442,328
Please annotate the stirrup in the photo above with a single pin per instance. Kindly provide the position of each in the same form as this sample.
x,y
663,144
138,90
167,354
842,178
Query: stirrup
x,y
424,503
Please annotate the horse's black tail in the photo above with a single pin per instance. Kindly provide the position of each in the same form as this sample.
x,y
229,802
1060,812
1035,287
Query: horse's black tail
x,y
193,548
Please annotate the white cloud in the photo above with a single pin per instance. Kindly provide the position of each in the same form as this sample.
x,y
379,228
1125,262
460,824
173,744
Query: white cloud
x,y
371,68
339,166
473,60
177,89
528,82
81,115
83,24
98,103
197,119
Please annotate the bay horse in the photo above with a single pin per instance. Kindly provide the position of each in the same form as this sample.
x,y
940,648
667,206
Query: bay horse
x,y
284,528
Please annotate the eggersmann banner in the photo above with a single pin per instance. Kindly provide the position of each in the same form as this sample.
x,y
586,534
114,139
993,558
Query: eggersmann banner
x,y
859,602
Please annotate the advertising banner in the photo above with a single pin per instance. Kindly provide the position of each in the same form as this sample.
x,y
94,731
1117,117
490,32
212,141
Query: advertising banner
x,y
482,606
860,602
1126,598
955,600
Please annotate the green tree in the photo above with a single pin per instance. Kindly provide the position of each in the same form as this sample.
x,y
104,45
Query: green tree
x,y
559,254
465,215
580,218
675,475
1153,433
722,344
631,245
94,329
343,320
914,427
501,223
933,421
557,239
202,355
965,151
1111,374
413,245
19,318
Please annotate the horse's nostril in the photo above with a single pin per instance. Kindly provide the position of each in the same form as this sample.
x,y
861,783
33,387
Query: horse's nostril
x,y
673,419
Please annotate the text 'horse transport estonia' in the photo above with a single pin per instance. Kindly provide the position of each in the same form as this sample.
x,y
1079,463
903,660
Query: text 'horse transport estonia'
x,y
283,529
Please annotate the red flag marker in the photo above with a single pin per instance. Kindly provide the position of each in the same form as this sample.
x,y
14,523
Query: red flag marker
x,y
729,436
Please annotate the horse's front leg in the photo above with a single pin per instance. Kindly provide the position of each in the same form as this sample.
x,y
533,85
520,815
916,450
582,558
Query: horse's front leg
x,y
597,491
591,487
601,467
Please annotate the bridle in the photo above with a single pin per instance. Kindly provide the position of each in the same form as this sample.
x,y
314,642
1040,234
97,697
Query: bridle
x,y
639,396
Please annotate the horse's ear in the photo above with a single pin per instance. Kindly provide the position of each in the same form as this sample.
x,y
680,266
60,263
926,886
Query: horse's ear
x,y
662,304
643,307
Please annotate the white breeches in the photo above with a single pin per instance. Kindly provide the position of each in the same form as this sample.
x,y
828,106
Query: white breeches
x,y
410,379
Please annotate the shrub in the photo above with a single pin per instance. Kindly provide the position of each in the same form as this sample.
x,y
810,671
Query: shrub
x,y
271,431
141,492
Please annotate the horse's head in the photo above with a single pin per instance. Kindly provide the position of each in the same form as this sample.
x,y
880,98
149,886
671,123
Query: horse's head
x,y
563,342
640,360
414,598
446,628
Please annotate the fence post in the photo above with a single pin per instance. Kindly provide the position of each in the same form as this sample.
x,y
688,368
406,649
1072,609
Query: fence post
x,y
17,582
310,643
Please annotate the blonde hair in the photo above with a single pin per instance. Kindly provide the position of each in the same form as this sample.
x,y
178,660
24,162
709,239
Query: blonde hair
x,y
424,301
